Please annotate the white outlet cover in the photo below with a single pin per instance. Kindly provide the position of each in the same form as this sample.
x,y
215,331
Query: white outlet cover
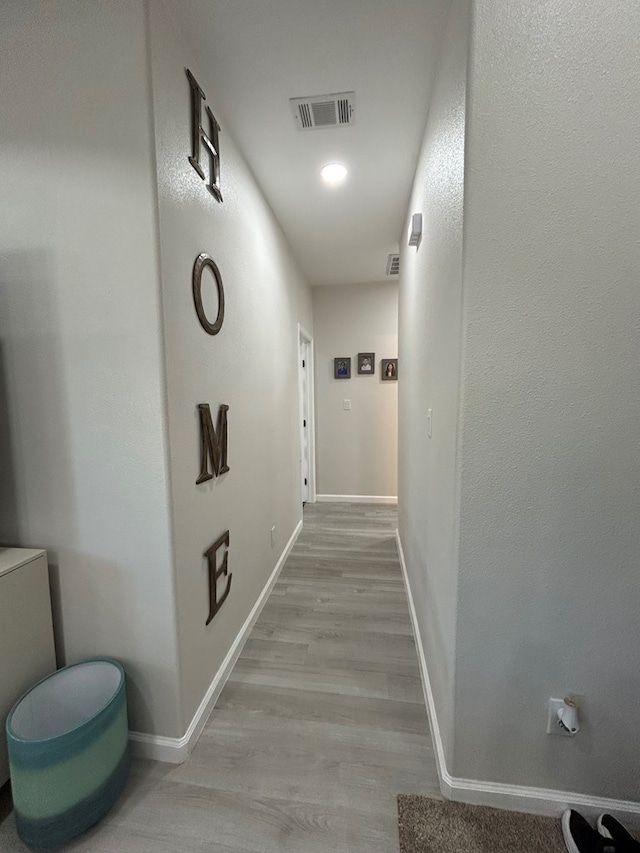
x,y
553,725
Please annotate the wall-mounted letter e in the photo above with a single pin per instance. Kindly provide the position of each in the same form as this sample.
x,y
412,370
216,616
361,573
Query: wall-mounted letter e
x,y
211,554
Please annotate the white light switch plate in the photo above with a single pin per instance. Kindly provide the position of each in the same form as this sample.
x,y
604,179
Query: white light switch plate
x,y
346,405
429,422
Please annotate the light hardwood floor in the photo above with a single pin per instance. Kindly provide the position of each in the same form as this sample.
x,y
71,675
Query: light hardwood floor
x,y
320,725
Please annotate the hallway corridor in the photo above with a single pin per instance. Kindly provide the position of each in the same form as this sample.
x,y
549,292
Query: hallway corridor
x,y
320,725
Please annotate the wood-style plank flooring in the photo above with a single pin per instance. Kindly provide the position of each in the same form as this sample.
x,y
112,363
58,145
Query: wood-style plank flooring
x,y
320,725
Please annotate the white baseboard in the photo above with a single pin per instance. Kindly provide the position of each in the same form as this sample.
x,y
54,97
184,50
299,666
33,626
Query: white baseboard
x,y
168,749
543,801
358,499
176,750
438,746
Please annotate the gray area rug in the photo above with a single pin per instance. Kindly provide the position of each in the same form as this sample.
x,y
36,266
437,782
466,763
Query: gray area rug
x,y
440,826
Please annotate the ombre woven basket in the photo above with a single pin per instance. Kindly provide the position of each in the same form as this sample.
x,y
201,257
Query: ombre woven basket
x,y
68,751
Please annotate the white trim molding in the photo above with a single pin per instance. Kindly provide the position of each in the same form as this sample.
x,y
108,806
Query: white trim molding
x,y
176,750
438,746
542,801
358,499
303,335
169,749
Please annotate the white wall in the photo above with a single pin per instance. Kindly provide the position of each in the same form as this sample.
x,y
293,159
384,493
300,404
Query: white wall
x,y
550,461
84,440
430,341
81,435
356,450
521,536
251,365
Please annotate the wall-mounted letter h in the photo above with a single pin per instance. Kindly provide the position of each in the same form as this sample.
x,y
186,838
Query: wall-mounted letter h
x,y
200,137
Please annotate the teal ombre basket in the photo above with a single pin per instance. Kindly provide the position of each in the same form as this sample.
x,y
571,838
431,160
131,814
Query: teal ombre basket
x,y
68,751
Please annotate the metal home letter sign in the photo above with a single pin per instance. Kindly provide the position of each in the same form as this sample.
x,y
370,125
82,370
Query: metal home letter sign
x,y
200,137
213,443
216,603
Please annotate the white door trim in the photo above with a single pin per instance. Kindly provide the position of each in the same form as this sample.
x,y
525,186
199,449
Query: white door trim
x,y
303,335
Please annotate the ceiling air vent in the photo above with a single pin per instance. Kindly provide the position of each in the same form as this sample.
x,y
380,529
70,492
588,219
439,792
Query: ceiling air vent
x,y
393,265
321,111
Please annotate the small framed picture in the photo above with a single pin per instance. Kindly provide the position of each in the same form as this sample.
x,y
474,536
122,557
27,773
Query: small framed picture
x,y
366,363
342,368
389,368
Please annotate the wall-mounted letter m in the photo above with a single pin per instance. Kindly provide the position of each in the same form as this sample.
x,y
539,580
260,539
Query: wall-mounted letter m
x,y
213,443
200,137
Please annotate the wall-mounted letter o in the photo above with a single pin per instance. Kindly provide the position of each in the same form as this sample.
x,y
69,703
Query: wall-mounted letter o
x,y
203,261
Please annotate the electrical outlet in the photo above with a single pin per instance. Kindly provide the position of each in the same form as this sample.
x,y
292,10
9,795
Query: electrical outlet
x,y
553,724
273,535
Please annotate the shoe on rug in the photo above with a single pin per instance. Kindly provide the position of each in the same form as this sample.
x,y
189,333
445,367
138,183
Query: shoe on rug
x,y
580,837
609,827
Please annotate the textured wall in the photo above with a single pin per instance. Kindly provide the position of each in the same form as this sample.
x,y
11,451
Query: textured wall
x,y
357,450
251,365
429,333
82,452
550,463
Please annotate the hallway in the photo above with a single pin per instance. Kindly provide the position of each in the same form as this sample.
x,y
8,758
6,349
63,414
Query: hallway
x,y
319,727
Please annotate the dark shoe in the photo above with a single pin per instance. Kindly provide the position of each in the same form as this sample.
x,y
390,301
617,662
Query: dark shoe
x,y
609,827
580,837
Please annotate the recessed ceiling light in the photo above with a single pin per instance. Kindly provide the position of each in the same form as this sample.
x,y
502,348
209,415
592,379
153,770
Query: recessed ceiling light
x,y
334,173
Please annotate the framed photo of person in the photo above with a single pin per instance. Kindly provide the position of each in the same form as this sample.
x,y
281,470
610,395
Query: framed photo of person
x,y
389,368
366,363
342,368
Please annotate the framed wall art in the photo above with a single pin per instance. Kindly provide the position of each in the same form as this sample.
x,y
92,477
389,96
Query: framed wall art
x,y
366,363
389,368
342,368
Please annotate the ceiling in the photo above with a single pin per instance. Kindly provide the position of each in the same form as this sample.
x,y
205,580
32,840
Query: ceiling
x,y
260,53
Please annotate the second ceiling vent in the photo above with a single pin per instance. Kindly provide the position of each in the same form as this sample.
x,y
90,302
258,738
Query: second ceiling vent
x,y
393,265
320,111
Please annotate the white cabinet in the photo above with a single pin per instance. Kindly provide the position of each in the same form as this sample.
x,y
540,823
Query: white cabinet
x,y
26,633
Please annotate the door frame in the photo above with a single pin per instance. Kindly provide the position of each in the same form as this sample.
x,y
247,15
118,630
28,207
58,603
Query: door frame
x,y
305,341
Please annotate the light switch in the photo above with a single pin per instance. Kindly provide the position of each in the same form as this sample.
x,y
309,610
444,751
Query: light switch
x,y
429,422
346,405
